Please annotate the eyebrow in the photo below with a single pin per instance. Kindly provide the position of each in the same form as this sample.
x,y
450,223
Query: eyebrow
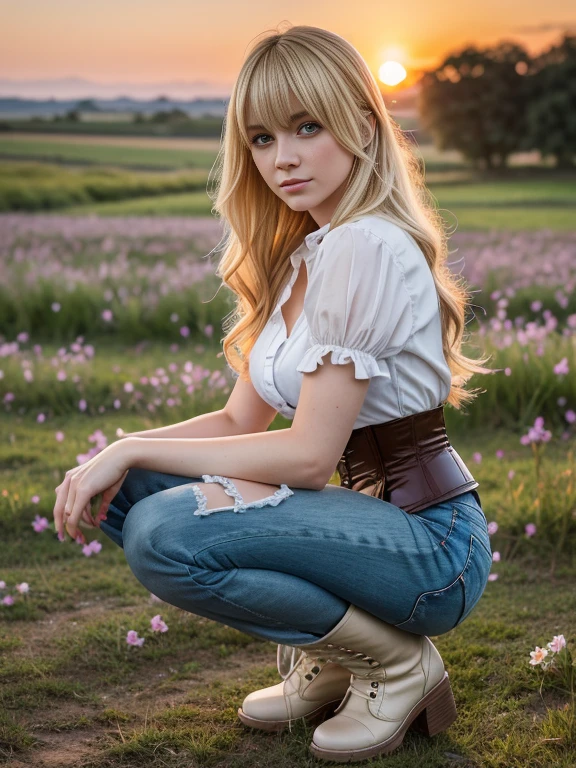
x,y
297,116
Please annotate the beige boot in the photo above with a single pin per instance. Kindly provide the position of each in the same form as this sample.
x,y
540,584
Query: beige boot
x,y
312,687
398,681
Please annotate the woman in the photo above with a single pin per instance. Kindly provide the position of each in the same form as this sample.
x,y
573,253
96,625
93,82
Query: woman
x,y
350,323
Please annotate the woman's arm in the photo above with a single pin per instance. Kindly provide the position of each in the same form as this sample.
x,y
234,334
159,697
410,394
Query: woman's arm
x,y
303,456
215,424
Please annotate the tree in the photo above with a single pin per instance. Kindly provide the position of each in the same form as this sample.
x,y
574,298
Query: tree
x,y
551,113
475,102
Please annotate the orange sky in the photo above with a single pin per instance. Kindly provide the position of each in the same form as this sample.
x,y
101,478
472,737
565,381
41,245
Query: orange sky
x,y
143,41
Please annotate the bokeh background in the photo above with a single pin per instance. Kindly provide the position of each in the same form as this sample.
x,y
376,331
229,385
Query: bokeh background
x,y
111,115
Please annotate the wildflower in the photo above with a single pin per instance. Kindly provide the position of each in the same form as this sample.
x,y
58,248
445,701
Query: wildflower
x,y
133,639
511,474
496,557
538,655
158,625
8,600
40,523
91,549
492,528
557,644
499,454
492,577
477,457
23,588
562,367
530,529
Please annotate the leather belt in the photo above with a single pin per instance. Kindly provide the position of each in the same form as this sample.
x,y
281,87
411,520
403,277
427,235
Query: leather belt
x,y
409,461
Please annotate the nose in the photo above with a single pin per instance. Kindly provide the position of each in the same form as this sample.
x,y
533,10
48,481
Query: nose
x,y
286,155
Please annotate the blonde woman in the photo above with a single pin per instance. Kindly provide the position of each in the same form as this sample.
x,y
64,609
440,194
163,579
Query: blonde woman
x,y
350,324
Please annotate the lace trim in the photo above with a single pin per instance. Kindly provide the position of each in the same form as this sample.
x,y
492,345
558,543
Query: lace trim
x,y
239,504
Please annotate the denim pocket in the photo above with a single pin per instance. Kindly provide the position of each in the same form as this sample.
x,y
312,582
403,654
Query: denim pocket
x,y
438,611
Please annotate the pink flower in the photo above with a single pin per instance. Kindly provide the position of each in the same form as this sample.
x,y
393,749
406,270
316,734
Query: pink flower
x,y
158,625
91,549
538,655
499,454
40,524
35,499
557,644
23,588
492,528
570,416
7,600
2,585
562,367
133,639
496,557
59,436
492,577
530,529
477,457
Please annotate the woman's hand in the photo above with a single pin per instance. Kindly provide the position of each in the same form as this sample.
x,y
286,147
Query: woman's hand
x,y
104,473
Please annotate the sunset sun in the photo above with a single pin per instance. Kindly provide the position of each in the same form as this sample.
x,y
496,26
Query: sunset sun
x,y
392,73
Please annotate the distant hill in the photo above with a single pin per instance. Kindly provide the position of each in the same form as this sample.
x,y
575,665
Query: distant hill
x,y
402,102
21,108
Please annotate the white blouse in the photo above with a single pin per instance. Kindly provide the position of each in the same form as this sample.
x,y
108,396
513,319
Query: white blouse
x,y
370,299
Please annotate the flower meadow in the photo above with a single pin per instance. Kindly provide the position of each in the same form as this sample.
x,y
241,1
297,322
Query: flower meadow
x,y
114,325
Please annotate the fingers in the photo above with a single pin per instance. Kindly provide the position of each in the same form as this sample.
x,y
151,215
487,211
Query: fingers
x,y
87,516
61,498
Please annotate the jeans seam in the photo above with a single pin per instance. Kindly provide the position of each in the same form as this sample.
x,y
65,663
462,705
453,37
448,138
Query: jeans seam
x,y
454,515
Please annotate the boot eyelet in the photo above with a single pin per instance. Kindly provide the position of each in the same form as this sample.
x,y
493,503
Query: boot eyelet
x,y
372,695
309,677
315,670
374,685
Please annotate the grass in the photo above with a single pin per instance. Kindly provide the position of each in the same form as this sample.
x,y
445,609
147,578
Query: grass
x,y
133,152
73,692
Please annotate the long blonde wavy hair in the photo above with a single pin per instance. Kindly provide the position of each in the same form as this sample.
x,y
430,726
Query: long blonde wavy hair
x,y
334,84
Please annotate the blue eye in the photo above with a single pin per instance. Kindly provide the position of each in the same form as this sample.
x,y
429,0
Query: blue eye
x,y
260,135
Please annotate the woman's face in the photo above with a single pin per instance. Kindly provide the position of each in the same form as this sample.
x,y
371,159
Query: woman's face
x,y
306,151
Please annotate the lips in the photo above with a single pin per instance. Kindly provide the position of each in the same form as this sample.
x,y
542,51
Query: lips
x,y
293,182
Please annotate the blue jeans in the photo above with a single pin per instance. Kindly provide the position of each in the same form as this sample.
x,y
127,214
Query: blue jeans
x,y
288,573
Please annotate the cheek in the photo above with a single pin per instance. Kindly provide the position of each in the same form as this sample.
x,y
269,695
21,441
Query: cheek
x,y
332,161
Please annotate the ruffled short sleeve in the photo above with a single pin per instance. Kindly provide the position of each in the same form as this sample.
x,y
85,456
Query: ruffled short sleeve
x,y
357,304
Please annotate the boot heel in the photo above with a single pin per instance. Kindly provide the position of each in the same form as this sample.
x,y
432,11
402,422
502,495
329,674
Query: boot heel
x,y
439,712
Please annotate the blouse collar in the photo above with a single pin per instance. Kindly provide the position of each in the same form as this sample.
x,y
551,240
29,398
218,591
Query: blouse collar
x,y
309,246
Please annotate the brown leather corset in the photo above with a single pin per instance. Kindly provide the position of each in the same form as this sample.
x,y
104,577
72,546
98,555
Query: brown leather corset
x,y
409,461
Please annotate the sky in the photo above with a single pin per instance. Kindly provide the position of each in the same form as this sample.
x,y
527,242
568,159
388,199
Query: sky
x,y
127,45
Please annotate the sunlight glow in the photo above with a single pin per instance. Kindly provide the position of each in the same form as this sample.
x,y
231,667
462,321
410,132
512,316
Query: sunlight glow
x,y
392,73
